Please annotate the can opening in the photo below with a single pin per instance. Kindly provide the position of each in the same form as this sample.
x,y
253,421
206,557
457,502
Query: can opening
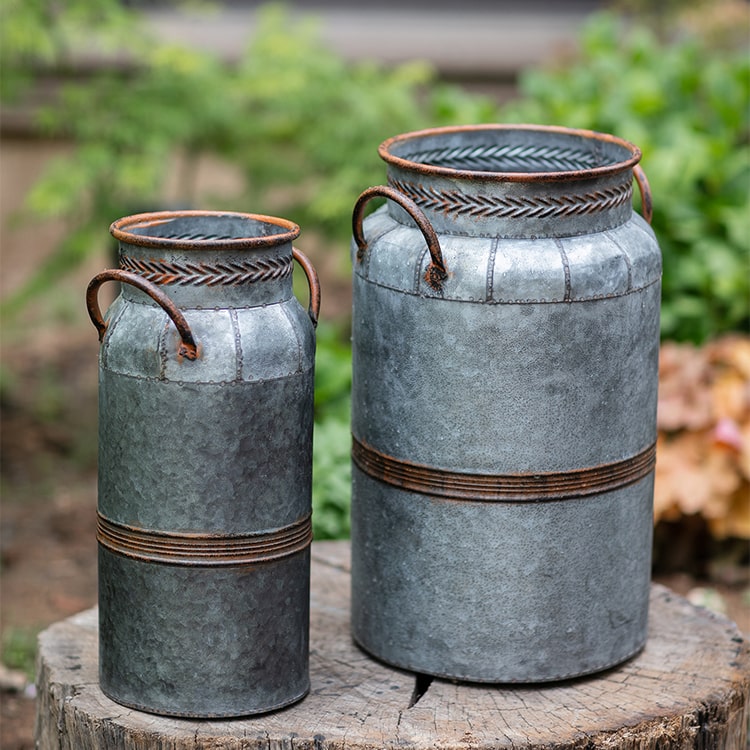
x,y
510,152
195,229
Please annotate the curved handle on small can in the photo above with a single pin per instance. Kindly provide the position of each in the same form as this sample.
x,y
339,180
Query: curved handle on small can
x,y
647,204
436,273
188,347
313,309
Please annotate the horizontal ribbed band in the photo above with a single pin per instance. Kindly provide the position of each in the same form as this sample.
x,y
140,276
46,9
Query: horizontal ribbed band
x,y
204,549
527,487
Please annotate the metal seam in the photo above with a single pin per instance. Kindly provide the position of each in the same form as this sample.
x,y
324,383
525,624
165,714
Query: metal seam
x,y
203,550
242,383
566,270
522,487
237,344
162,348
418,271
490,279
625,257
111,325
594,298
288,315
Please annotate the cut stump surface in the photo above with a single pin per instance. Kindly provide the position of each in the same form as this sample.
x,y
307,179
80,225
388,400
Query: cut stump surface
x,y
689,688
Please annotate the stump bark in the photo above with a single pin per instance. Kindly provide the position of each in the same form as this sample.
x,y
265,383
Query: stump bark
x,y
689,688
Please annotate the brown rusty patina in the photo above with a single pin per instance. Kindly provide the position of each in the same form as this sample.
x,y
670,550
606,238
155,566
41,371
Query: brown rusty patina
x,y
124,230
386,152
204,549
436,272
188,346
522,487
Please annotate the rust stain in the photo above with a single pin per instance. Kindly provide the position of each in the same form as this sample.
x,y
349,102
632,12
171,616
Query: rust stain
x,y
204,549
525,487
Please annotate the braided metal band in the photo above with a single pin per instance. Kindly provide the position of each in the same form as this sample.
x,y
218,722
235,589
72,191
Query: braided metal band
x,y
545,486
508,206
209,274
174,548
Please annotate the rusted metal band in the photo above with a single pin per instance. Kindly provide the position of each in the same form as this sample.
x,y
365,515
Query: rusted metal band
x,y
229,273
559,485
204,550
516,206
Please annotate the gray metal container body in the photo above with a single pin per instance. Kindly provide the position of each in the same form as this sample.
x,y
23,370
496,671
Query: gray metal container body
x,y
205,473
504,422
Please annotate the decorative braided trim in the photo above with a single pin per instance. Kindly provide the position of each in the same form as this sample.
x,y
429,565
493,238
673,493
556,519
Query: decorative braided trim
x,y
507,158
515,207
204,549
541,487
209,274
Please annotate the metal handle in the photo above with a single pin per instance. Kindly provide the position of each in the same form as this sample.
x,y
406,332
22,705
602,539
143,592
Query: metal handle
x,y
188,347
313,309
436,273
647,204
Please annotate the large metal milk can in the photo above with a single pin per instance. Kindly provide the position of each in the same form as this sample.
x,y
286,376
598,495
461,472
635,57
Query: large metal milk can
x,y
205,462
505,346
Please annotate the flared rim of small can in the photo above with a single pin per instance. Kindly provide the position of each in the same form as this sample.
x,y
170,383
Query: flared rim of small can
x,y
124,230
386,152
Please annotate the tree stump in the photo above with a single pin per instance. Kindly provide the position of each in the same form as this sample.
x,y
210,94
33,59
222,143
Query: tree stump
x,y
689,688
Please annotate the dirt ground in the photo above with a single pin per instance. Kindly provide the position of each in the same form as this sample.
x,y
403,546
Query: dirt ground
x,y
48,453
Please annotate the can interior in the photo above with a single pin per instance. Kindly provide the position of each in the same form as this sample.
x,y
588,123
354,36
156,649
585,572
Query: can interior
x,y
507,150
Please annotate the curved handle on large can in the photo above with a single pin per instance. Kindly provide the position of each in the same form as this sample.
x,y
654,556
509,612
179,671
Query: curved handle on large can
x,y
436,272
647,204
313,309
188,347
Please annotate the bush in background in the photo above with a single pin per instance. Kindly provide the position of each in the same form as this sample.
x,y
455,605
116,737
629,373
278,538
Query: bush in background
x,y
303,126
684,99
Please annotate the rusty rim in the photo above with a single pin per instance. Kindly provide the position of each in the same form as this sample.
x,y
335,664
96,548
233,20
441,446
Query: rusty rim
x,y
386,153
122,230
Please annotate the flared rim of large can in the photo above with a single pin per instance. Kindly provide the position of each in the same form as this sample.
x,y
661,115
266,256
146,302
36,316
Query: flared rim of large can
x,y
202,230
513,153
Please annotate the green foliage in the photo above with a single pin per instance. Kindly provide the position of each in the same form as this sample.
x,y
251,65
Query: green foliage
x,y
303,126
684,102
332,439
19,650
290,114
331,479
35,34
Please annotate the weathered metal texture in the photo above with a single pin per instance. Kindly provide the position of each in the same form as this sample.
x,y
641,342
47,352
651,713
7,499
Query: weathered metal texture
x,y
205,462
505,346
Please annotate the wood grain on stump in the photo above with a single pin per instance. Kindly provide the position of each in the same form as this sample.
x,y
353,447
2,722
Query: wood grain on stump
x,y
689,688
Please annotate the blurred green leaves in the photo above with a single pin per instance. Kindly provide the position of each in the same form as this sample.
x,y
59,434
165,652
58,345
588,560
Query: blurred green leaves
x,y
332,438
685,101
303,127
290,114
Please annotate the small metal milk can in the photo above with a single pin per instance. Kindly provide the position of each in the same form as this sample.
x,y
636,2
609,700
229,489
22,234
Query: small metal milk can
x,y
505,347
205,462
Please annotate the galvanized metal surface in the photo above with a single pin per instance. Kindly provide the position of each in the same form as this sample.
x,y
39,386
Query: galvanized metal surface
x,y
205,459
505,344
